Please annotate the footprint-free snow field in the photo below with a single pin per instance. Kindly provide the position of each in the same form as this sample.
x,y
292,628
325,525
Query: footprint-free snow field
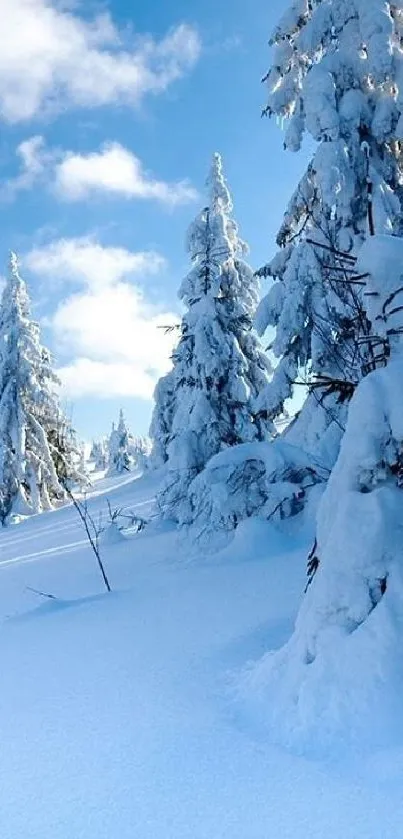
x,y
116,713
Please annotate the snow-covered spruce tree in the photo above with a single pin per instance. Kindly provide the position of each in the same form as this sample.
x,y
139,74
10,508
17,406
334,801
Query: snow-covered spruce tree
x,y
37,450
335,76
140,452
342,671
219,367
98,454
161,421
69,464
120,441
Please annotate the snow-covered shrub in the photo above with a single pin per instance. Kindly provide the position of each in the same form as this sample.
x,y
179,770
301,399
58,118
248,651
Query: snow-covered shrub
x,y
268,479
341,673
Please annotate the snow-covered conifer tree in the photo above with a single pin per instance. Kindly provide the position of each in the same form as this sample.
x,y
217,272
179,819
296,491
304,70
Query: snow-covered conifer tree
x,y
341,672
219,367
335,76
37,448
119,458
98,454
140,452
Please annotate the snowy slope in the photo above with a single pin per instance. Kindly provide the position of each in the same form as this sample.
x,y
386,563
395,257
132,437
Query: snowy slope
x,y
116,717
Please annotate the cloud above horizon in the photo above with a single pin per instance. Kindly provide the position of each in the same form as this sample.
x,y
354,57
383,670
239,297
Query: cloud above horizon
x,y
60,57
111,332
85,261
113,170
52,59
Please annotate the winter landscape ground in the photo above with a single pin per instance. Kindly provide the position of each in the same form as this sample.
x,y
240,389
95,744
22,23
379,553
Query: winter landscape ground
x,y
201,629
117,712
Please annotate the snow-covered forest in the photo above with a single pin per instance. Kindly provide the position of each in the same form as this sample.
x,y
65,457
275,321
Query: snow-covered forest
x,y
201,628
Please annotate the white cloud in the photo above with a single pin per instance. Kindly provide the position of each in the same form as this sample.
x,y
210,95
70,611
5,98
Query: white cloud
x,y
115,169
84,260
33,158
102,379
114,321
51,58
117,342
73,177
111,333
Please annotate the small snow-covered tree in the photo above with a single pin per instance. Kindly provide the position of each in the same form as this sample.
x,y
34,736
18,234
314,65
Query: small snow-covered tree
x,y
335,76
37,446
341,672
140,452
119,457
219,367
65,449
98,454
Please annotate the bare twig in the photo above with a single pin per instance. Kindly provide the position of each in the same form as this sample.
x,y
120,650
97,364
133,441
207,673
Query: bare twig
x,y
341,254
41,593
92,532
131,517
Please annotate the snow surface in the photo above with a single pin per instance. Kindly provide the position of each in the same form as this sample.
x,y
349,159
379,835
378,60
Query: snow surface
x,y
116,716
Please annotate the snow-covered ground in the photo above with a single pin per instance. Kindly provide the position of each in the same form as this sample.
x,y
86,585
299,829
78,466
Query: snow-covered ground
x,y
116,713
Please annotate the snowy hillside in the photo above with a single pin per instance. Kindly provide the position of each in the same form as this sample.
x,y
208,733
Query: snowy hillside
x,y
117,716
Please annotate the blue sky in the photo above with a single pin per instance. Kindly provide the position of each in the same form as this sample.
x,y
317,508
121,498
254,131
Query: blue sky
x,y
109,119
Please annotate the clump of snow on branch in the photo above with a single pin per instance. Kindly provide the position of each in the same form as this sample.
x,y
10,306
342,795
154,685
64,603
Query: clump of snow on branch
x,y
161,421
319,432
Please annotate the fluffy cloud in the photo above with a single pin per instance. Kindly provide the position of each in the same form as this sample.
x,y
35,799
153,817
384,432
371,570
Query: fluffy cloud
x,y
51,58
73,177
84,260
33,157
114,169
118,342
103,379
112,334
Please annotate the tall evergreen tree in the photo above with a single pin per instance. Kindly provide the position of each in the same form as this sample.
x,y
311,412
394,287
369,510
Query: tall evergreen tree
x,y
37,447
333,76
219,366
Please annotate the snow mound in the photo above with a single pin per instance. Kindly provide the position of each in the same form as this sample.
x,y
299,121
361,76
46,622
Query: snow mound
x,y
112,535
269,480
339,679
